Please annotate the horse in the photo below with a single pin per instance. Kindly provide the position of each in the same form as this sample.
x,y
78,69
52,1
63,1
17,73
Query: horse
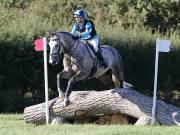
x,y
79,62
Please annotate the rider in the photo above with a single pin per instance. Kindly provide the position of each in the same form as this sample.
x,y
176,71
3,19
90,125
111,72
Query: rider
x,y
85,30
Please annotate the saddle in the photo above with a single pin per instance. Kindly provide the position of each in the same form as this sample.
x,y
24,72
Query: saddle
x,y
90,49
94,56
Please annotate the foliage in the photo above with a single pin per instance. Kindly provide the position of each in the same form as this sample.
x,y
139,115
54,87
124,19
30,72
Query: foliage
x,y
160,15
17,72
14,3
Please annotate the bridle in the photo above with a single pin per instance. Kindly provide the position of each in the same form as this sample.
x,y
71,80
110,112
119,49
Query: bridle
x,y
62,44
59,45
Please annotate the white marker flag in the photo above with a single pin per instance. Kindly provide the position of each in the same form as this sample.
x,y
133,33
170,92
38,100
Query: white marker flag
x,y
163,45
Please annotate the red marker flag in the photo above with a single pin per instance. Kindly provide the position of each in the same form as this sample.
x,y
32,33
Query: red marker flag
x,y
39,45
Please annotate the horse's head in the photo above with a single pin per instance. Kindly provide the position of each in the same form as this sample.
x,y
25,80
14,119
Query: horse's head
x,y
61,42
56,48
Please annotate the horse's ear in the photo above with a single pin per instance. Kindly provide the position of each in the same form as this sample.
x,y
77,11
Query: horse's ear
x,y
48,35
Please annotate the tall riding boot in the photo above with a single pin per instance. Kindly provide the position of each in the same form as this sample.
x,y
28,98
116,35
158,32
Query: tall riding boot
x,y
102,61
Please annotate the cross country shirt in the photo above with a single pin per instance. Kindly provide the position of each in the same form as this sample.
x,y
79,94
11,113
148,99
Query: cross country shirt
x,y
87,29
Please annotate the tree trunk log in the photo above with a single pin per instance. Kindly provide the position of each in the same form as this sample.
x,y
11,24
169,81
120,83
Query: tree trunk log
x,y
86,104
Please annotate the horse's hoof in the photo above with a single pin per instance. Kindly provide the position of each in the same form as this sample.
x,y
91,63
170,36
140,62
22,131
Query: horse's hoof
x,y
66,103
61,98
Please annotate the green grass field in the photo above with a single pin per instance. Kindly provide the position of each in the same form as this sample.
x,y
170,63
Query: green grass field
x,y
15,125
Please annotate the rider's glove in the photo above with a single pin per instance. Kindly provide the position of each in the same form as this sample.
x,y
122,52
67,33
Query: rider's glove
x,y
79,34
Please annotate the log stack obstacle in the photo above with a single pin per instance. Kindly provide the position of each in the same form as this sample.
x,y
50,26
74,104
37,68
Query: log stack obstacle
x,y
115,106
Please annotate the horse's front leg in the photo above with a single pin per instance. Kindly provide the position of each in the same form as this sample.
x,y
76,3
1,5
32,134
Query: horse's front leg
x,y
77,77
62,80
61,86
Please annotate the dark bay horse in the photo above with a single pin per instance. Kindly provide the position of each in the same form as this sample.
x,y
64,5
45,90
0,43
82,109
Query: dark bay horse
x,y
79,60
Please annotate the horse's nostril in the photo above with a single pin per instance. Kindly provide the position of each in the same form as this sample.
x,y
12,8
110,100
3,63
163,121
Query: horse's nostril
x,y
53,63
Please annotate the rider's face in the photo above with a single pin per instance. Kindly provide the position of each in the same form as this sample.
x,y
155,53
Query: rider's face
x,y
78,19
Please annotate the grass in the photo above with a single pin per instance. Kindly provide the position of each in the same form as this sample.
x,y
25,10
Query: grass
x,y
13,124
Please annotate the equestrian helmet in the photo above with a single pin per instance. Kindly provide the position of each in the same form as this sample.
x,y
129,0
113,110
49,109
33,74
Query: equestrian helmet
x,y
80,13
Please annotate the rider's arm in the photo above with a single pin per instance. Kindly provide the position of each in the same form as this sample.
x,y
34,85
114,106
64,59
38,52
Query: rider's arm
x,y
86,33
74,30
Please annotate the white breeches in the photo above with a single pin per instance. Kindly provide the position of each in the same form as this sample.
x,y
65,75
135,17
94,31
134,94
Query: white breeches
x,y
94,42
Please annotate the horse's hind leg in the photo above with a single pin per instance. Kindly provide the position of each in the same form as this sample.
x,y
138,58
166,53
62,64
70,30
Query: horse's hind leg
x,y
106,79
117,79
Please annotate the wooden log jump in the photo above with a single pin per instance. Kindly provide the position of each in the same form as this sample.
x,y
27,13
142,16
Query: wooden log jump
x,y
122,103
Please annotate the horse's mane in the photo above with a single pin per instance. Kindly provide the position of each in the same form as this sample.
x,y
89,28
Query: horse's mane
x,y
69,34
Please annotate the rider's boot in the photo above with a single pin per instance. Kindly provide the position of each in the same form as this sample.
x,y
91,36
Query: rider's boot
x,y
102,61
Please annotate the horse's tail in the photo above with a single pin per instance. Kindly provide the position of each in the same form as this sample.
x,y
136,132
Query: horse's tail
x,y
122,67
127,85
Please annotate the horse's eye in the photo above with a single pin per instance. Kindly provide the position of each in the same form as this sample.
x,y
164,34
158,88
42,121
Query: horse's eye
x,y
56,46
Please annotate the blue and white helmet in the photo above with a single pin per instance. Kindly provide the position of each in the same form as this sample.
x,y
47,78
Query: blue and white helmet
x,y
80,13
